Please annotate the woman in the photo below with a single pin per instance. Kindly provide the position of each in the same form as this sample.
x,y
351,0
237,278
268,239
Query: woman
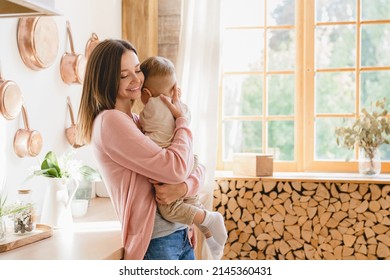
x,y
129,160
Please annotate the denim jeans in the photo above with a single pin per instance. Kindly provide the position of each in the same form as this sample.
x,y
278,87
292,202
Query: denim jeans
x,y
175,246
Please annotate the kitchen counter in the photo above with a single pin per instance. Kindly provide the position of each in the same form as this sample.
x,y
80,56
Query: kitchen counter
x,y
96,236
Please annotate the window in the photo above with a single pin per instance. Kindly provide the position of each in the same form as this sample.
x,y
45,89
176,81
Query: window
x,y
294,70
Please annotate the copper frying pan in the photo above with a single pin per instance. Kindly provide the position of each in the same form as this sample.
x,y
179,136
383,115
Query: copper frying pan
x,y
37,41
11,98
72,66
91,44
27,142
71,131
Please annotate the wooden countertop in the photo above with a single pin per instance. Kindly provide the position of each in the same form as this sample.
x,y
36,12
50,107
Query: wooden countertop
x,y
96,236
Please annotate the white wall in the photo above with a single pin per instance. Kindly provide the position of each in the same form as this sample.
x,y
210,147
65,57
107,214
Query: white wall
x,y
44,91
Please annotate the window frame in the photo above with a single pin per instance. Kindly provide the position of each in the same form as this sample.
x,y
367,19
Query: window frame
x,y
304,114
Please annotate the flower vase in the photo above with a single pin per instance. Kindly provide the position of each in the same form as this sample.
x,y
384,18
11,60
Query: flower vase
x,y
56,210
369,161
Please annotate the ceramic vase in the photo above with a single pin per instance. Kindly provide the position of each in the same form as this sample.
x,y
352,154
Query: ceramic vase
x,y
56,210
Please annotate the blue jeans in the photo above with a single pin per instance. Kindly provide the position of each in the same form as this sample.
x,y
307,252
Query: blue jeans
x,y
175,246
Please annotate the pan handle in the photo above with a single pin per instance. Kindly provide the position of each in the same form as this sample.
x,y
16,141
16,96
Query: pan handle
x,y
70,110
70,36
25,118
94,36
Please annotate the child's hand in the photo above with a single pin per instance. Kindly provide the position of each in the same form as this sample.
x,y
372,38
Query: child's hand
x,y
175,106
179,92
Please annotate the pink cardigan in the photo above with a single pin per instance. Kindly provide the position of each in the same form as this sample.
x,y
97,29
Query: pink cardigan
x,y
126,159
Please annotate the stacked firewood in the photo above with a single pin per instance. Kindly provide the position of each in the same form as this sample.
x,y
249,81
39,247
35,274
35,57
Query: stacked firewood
x,y
304,220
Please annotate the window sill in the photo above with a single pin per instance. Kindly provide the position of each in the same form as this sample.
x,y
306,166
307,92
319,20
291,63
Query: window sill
x,y
309,177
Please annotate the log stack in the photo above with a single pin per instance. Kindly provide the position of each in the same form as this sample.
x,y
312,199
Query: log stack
x,y
304,220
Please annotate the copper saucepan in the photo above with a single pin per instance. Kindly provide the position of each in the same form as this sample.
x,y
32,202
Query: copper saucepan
x,y
72,66
37,41
71,131
91,44
11,98
27,142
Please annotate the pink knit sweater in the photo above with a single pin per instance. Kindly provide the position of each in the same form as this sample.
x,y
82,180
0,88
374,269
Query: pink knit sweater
x,y
127,159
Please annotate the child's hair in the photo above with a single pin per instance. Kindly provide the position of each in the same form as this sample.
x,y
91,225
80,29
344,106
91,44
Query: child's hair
x,y
157,66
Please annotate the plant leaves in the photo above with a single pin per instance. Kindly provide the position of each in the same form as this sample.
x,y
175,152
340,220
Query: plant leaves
x,y
49,172
50,162
89,174
10,209
370,129
50,168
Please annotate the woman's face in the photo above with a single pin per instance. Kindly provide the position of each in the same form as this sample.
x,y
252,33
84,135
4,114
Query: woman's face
x,y
131,79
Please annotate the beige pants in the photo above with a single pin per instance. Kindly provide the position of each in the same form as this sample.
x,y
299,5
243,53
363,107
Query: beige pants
x,y
181,211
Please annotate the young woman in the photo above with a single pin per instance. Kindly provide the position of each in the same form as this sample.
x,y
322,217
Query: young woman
x,y
129,161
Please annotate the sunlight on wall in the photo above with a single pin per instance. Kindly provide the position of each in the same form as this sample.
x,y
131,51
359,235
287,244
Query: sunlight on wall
x,y
3,161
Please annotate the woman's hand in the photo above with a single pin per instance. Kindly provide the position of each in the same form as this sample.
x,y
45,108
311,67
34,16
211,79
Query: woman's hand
x,y
175,106
168,193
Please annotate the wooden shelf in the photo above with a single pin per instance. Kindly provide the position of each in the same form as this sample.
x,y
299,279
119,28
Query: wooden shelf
x,y
310,177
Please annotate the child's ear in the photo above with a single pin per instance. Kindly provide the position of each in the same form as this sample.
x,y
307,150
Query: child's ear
x,y
145,95
147,91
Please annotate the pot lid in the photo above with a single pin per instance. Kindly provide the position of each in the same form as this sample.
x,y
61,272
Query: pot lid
x,y
12,100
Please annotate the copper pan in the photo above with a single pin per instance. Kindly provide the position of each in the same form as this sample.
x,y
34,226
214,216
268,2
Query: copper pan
x,y
11,98
37,41
72,66
91,44
27,142
71,131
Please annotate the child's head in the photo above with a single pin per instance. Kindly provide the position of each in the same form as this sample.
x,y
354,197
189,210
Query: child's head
x,y
160,77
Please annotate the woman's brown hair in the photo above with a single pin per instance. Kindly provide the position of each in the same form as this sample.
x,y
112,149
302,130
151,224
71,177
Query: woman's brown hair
x,y
101,84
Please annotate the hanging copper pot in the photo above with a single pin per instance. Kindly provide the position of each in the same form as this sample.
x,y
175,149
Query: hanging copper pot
x,y
71,131
91,44
27,142
11,98
72,66
37,41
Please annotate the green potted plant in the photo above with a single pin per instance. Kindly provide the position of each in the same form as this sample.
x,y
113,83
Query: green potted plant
x,y
65,166
368,133
59,171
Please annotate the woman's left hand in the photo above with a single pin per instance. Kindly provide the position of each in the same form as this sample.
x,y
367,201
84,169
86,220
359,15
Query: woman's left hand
x,y
168,193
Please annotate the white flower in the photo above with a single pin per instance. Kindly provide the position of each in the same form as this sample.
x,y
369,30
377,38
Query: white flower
x,y
68,165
